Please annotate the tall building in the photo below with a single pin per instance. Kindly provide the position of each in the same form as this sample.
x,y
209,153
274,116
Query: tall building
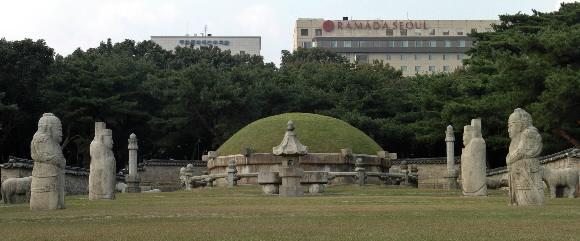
x,y
413,46
236,44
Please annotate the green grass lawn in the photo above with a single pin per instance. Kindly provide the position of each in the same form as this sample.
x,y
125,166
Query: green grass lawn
x,y
343,213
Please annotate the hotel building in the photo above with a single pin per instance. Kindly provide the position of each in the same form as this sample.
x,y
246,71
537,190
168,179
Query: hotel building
x,y
413,46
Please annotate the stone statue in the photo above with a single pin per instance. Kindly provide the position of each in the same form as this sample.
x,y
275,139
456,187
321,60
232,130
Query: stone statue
x,y
473,156
102,178
12,187
561,177
47,187
525,177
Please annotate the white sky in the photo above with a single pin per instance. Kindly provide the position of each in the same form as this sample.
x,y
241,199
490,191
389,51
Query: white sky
x,y
69,24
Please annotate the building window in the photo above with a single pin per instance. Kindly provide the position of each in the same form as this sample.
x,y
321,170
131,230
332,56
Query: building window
x,y
403,32
314,44
366,44
473,30
417,57
417,69
459,56
447,43
389,32
388,57
404,68
378,44
460,33
347,44
306,45
405,44
433,43
304,32
430,57
391,44
446,33
432,68
362,58
462,43
242,52
418,44
446,68
334,44
432,32
317,32
444,57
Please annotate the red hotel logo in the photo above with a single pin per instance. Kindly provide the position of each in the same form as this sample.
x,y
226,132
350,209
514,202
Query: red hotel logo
x,y
329,25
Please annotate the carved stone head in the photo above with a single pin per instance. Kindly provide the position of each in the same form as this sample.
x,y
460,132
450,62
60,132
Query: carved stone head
x,y
518,121
467,134
50,125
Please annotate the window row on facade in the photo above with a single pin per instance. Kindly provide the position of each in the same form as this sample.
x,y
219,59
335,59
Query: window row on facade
x,y
304,32
387,43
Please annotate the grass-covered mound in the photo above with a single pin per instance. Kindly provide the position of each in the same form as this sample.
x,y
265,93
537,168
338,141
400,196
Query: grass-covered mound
x,y
322,134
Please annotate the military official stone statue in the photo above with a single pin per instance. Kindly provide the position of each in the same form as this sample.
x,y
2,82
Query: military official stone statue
x,y
102,178
47,187
525,177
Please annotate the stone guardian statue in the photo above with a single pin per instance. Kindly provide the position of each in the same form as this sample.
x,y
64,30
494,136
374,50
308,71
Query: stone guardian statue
x,y
473,167
102,178
47,187
525,176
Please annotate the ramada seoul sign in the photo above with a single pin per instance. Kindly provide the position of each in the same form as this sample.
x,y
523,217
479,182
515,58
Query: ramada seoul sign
x,y
330,25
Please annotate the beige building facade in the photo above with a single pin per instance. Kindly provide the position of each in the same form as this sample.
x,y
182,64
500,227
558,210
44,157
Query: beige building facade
x,y
236,44
412,46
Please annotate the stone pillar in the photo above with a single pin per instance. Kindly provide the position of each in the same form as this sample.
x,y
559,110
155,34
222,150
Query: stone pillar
x,y
360,172
405,171
132,179
452,173
291,176
232,179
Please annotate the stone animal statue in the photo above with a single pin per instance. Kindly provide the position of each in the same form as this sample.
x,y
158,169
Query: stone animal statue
x,y
561,177
15,186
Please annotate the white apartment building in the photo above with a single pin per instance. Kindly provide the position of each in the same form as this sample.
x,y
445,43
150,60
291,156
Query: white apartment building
x,y
236,44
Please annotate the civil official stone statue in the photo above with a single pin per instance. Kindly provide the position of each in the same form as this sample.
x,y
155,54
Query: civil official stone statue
x,y
47,187
473,159
525,177
102,178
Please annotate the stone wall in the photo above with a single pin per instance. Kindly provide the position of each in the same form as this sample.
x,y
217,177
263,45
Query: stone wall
x,y
431,172
164,174
76,179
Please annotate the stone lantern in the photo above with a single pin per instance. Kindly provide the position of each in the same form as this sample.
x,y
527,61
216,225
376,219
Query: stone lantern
x,y
290,173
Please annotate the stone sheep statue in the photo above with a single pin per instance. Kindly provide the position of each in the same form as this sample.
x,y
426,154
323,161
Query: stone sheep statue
x,y
15,186
562,177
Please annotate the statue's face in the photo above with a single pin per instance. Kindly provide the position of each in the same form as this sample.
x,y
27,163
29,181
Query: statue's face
x,y
108,141
466,138
514,127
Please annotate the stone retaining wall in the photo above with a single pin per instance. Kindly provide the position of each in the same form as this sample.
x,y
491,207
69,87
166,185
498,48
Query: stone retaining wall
x,y
326,162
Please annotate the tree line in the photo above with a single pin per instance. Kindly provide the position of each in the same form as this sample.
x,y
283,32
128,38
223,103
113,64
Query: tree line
x,y
185,102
